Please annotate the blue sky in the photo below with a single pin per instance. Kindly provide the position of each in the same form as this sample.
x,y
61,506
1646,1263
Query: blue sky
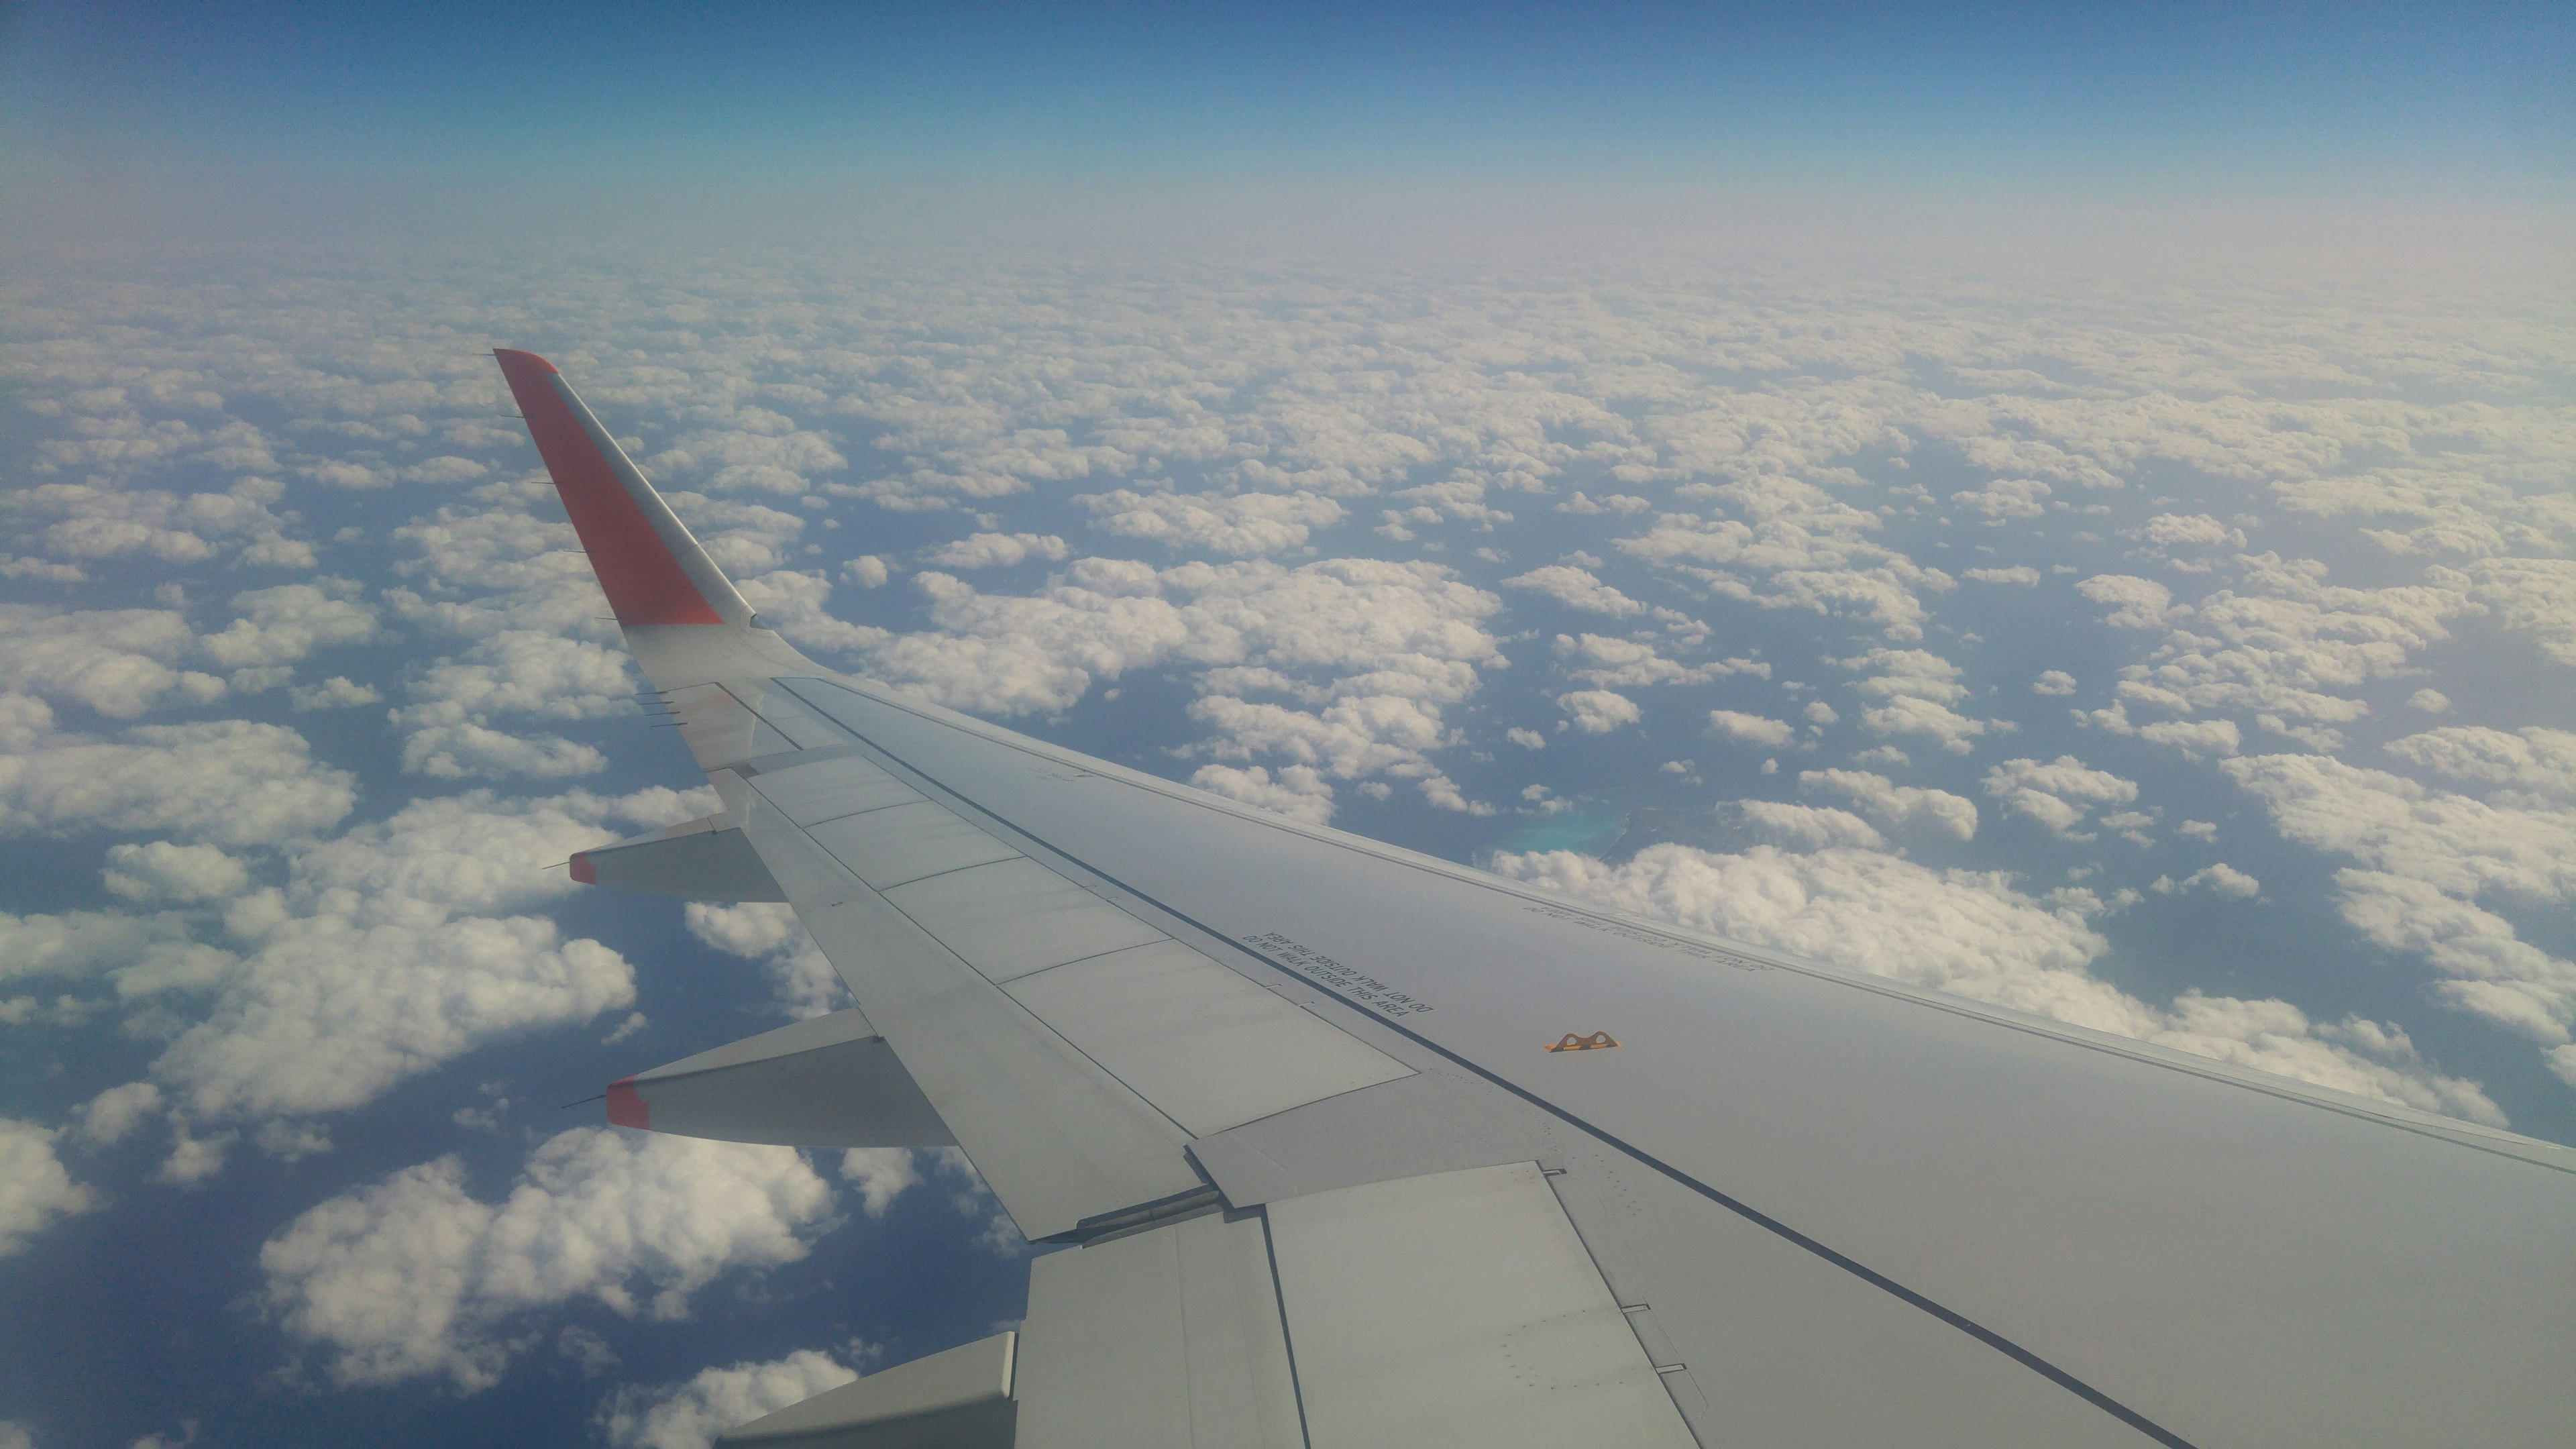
x,y
2089,99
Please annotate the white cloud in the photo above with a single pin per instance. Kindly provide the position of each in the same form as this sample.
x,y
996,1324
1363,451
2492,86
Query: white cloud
x,y
801,977
336,692
1619,503
2534,596
2430,701
793,603
1914,690
2054,682
2168,532
2531,765
286,623
881,1174
1527,739
327,1014
386,955
2022,575
1750,729
1803,827
2285,645
446,471
1973,934
24,719
473,752
2427,856
2007,499
1612,663
448,726
496,566
1243,525
112,1115
755,450
97,521
2131,602
1296,791
695,1413
1576,589
1599,711
1795,546
2059,794
998,550
34,1188
867,571
1382,648
139,954
2221,879
1899,806
161,871
413,1277
228,781
119,662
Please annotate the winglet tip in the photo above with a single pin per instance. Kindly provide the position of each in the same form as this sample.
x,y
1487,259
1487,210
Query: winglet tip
x,y
583,870
511,359
626,1106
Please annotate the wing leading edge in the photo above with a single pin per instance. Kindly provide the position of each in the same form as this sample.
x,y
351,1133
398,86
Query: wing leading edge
x,y
1284,1092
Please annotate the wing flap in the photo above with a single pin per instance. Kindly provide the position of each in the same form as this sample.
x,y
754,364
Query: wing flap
x,y
1460,1308
1164,1339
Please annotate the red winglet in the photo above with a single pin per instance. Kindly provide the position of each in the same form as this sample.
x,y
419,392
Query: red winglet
x,y
644,582
583,870
626,1106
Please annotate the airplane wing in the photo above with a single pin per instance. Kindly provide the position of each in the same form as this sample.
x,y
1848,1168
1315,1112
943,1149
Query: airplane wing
x,y
1341,1145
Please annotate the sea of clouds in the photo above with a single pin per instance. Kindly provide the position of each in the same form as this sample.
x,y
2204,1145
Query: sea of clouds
x,y
2187,659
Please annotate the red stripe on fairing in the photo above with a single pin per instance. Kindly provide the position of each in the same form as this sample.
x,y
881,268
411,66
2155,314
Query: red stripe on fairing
x,y
644,582
626,1106
583,870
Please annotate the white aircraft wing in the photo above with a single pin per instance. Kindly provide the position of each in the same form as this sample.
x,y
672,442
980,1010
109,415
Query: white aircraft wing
x,y
1341,1145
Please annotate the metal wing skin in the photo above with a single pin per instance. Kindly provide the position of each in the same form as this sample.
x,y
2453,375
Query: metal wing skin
x,y
1289,1108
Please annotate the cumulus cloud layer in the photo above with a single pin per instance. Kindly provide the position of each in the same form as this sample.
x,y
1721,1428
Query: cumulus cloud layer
x,y
1331,535
35,1189
692,1414
415,1277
